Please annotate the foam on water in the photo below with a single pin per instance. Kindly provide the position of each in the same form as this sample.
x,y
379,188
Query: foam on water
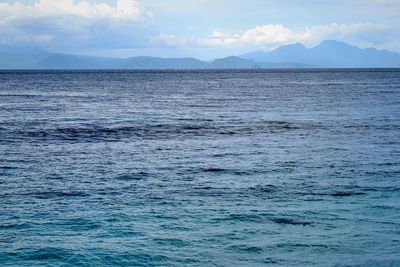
x,y
223,168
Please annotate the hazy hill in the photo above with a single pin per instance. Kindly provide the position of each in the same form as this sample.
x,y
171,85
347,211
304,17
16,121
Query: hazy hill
x,y
329,54
11,60
233,63
163,63
65,61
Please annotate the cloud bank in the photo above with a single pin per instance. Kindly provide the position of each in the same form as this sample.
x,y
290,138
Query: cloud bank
x,y
69,22
269,36
124,10
90,25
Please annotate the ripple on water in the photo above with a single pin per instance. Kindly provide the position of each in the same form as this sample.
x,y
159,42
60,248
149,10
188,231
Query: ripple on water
x,y
60,194
200,168
133,176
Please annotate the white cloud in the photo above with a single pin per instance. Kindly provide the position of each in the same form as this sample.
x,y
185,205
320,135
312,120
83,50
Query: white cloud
x,y
359,33
121,24
272,35
66,23
124,10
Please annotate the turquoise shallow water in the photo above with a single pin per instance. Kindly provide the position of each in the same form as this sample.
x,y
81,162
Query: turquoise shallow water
x,y
200,168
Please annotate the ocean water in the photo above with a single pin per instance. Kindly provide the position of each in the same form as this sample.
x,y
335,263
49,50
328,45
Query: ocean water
x,y
200,168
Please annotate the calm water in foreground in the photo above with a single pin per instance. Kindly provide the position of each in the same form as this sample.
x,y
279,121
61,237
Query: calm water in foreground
x,y
207,168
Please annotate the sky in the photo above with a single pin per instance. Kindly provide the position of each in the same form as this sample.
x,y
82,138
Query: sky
x,y
204,29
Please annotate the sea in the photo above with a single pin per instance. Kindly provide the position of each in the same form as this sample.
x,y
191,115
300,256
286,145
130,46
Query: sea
x,y
200,168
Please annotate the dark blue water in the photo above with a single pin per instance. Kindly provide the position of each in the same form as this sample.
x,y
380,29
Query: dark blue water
x,y
208,168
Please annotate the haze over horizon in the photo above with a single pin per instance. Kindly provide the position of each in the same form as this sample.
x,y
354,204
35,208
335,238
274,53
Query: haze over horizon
x,y
202,29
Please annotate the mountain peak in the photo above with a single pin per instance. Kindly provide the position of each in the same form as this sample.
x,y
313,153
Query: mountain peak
x,y
298,45
329,53
295,46
333,43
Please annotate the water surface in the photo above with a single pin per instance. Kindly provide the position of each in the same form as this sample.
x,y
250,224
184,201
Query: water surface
x,y
200,168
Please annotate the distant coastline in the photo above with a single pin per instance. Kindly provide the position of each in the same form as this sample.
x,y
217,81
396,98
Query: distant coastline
x,y
329,54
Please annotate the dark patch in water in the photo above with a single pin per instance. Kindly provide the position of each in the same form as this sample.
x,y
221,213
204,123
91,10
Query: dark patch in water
x,y
14,226
214,170
265,188
241,218
271,261
282,220
347,194
96,133
8,167
246,249
227,171
133,176
61,194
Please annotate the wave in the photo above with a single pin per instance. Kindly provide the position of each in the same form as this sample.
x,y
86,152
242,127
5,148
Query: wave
x,y
95,133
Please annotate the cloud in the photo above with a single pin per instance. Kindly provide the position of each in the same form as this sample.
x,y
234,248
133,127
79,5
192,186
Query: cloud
x,y
124,10
60,25
68,23
359,33
272,35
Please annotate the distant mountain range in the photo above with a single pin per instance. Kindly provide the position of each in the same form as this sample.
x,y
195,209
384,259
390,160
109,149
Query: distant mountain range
x,y
329,54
